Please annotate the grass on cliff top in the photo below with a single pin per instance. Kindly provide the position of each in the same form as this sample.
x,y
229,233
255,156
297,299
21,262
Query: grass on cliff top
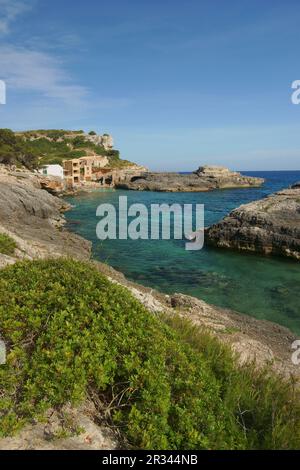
x,y
17,148
7,245
71,334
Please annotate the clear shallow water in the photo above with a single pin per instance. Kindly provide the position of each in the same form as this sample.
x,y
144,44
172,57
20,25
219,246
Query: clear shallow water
x,y
265,288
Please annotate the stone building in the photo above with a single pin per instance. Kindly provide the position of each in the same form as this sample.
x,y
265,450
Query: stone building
x,y
79,171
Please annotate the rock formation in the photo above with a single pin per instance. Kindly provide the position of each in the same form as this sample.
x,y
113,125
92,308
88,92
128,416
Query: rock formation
x,y
33,218
105,140
206,178
268,226
44,434
53,184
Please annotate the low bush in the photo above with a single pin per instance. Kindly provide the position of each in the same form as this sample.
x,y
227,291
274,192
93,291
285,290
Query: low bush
x,y
15,151
7,244
266,406
70,333
47,147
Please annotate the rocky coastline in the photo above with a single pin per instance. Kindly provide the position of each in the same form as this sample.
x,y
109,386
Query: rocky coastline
x,y
206,178
270,226
138,178
34,219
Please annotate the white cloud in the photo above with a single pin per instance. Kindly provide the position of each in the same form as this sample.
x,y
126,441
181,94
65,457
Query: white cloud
x,y
38,72
40,75
9,11
31,70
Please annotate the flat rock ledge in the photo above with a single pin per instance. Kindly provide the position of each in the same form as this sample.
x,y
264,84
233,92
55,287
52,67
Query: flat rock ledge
x,y
76,424
270,226
206,178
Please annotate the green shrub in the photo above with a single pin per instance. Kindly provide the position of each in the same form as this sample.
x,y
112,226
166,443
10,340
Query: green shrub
x,y
76,154
79,141
17,148
7,244
70,333
15,151
113,154
7,137
267,407
99,149
116,163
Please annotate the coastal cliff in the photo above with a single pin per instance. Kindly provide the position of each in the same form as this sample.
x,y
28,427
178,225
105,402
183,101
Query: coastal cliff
x,y
34,219
270,226
206,178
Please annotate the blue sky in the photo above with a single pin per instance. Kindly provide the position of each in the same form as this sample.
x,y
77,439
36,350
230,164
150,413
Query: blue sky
x,y
177,83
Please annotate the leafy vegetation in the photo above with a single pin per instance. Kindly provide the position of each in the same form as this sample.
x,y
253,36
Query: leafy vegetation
x,y
15,151
34,149
72,334
266,407
115,162
54,134
7,244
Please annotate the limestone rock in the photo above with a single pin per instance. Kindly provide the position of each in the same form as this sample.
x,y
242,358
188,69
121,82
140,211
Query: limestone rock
x,y
267,226
215,171
105,140
77,424
34,218
53,184
206,178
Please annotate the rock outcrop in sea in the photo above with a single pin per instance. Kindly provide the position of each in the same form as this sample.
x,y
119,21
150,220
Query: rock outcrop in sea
x,y
270,226
206,178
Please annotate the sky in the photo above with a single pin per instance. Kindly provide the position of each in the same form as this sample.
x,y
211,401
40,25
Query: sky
x,y
177,83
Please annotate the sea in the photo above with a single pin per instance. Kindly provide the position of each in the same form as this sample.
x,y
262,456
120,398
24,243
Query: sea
x,y
263,287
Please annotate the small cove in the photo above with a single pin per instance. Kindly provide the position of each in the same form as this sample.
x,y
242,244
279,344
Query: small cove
x,y
266,288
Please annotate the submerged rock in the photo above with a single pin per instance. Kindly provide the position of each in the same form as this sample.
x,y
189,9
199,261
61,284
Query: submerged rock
x,y
268,226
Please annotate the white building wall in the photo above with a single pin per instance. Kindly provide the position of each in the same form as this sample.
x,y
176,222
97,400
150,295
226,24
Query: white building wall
x,y
52,170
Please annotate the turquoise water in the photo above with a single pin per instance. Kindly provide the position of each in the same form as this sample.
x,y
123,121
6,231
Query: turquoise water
x,y
265,288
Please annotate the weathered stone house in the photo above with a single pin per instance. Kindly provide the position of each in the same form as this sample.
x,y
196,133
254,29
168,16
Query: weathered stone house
x,y
79,171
